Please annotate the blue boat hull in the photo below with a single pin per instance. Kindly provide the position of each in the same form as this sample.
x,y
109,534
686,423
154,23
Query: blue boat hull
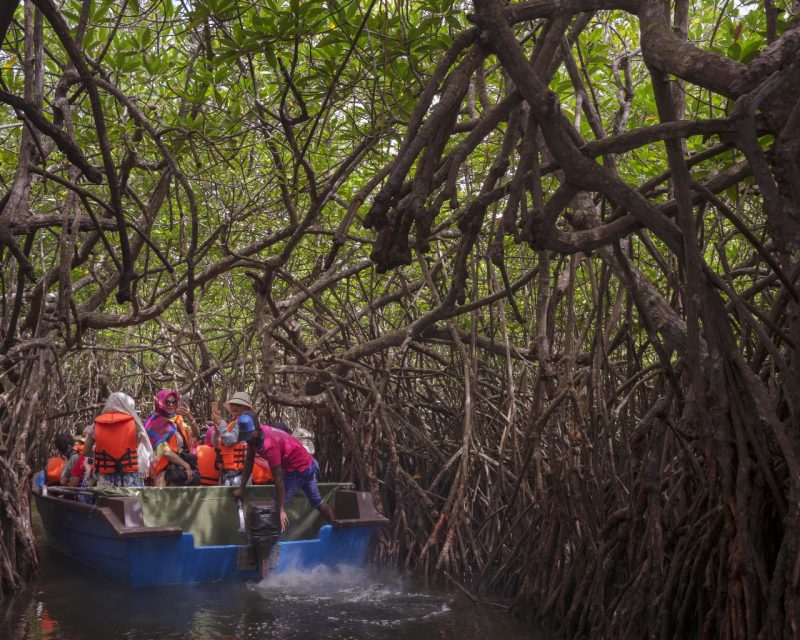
x,y
149,556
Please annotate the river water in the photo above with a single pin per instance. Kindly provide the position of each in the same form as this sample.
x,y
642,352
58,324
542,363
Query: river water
x,y
69,602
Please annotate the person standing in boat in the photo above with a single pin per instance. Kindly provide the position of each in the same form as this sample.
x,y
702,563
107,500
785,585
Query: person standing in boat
x,y
227,438
293,468
116,442
173,465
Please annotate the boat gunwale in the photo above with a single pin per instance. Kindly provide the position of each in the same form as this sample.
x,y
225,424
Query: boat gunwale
x,y
109,506
106,513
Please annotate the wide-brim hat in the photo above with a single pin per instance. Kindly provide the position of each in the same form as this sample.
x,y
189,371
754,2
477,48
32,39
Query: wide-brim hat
x,y
241,398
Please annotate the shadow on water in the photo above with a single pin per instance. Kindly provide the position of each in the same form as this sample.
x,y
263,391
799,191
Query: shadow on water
x,y
70,602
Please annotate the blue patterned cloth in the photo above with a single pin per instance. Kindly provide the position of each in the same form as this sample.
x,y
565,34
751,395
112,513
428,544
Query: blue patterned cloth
x,y
119,480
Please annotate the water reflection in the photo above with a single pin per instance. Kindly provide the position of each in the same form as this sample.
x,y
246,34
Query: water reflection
x,y
69,602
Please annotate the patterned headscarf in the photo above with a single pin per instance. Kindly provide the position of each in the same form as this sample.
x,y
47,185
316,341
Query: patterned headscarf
x,y
160,424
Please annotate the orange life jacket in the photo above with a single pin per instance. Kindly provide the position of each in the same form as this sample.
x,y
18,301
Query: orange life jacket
x,y
207,465
115,443
232,456
163,461
172,442
261,474
184,433
53,470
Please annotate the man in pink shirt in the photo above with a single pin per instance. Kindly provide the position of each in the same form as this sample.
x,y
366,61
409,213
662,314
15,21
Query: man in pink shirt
x,y
292,467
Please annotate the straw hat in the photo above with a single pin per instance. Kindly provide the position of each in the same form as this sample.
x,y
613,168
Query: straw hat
x,y
241,398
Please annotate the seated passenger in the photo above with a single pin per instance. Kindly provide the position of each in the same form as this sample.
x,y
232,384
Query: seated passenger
x,y
193,430
209,430
209,462
261,472
75,455
226,438
54,469
207,465
113,443
172,464
79,474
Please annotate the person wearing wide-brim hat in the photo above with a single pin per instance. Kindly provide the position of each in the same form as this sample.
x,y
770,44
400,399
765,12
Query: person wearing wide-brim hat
x,y
229,437
240,398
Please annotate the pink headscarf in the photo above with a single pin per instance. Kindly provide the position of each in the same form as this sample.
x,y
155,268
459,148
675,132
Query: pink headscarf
x,y
160,422
160,406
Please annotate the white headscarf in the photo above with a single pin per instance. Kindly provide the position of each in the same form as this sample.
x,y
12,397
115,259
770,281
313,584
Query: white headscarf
x,y
123,403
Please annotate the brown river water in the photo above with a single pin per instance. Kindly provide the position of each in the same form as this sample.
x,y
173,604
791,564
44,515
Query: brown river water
x,y
69,602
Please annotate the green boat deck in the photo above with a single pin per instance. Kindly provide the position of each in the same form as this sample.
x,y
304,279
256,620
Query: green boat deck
x,y
211,513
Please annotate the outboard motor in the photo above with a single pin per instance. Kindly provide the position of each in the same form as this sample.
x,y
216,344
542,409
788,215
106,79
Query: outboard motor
x,y
263,529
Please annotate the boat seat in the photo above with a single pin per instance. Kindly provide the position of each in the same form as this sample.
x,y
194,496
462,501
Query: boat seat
x,y
128,510
355,509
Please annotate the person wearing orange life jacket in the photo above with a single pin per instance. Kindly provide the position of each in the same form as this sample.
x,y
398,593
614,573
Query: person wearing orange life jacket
x,y
54,469
173,465
231,450
117,447
207,465
261,471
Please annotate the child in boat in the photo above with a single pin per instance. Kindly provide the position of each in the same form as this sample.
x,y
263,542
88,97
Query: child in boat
x,y
114,442
227,437
173,465
293,468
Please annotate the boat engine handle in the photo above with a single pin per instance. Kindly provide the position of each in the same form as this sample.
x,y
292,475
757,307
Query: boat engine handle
x,y
241,515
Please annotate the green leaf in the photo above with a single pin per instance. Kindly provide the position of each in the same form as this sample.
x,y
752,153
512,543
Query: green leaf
x,y
750,50
264,23
102,9
269,54
454,22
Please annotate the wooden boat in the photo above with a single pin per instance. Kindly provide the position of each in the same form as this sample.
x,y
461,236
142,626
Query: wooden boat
x,y
181,535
